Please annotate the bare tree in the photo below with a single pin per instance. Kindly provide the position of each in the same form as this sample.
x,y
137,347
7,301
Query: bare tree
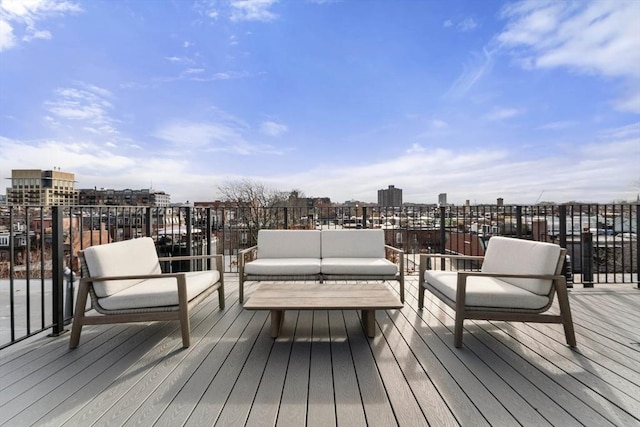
x,y
258,206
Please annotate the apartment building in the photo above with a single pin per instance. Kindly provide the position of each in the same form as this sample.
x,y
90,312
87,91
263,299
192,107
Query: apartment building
x,y
42,188
390,197
126,197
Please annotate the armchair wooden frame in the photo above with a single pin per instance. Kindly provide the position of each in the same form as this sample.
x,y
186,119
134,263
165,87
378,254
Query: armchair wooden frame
x,y
177,312
463,312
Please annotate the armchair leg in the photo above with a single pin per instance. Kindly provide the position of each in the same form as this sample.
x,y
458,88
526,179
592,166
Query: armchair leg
x,y
221,297
459,327
565,314
185,329
78,315
76,329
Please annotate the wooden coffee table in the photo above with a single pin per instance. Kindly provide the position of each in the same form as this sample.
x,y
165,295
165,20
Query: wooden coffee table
x,y
280,296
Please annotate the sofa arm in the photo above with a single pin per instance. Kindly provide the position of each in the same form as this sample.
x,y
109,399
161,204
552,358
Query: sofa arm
x,y
245,255
397,255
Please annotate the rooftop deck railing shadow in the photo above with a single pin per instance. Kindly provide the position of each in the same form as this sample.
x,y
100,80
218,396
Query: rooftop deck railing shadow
x,y
39,244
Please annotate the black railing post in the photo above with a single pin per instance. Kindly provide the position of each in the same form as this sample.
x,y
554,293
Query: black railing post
x,y
286,218
364,217
57,262
443,236
637,247
189,220
519,222
562,241
587,259
147,222
209,234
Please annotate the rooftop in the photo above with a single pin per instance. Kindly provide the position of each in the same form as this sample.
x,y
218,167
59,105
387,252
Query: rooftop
x,y
323,370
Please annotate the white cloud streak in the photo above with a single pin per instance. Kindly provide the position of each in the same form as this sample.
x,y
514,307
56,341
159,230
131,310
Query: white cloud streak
x,y
252,10
597,38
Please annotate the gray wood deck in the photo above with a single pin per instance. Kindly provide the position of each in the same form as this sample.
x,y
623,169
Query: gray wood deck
x,y
324,371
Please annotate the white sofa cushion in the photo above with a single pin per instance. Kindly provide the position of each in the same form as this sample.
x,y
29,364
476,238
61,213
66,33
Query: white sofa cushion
x,y
485,292
288,244
135,256
283,266
353,244
518,256
358,266
159,292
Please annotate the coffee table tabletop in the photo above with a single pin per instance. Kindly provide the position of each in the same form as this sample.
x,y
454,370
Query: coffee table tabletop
x,y
280,296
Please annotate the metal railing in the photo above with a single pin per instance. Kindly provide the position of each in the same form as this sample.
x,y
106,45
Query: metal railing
x,y
39,245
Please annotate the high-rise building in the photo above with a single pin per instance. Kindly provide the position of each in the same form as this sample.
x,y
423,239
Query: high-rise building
x,y
42,188
390,197
442,199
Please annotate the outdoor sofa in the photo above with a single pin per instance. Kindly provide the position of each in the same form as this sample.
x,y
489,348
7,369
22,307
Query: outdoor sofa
x,y
319,255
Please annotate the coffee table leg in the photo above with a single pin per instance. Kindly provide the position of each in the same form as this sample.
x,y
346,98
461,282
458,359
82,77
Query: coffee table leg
x,y
369,321
277,317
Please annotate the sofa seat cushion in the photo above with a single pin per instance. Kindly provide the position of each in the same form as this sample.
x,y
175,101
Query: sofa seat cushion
x,y
518,256
283,267
128,257
485,292
289,244
358,266
160,292
353,244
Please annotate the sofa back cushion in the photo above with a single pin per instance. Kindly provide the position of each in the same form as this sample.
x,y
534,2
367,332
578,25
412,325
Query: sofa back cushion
x,y
353,244
517,256
136,256
289,244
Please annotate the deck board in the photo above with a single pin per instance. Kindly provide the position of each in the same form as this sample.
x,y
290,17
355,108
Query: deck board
x,y
324,370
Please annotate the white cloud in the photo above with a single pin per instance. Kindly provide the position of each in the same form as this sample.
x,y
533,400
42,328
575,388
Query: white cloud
x,y
85,103
273,129
23,16
7,38
557,125
422,172
467,24
438,124
599,38
228,136
473,72
503,113
252,10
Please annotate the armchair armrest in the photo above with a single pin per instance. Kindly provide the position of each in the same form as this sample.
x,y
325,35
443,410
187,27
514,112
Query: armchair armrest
x,y
131,277
218,258
422,267
511,275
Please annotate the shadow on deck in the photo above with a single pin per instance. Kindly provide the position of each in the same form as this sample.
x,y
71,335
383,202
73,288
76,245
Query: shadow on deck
x,y
324,371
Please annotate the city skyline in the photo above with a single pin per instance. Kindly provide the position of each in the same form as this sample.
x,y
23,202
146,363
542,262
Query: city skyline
x,y
525,101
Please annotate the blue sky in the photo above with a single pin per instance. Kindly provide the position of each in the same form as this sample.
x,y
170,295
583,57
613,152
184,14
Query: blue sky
x,y
528,101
